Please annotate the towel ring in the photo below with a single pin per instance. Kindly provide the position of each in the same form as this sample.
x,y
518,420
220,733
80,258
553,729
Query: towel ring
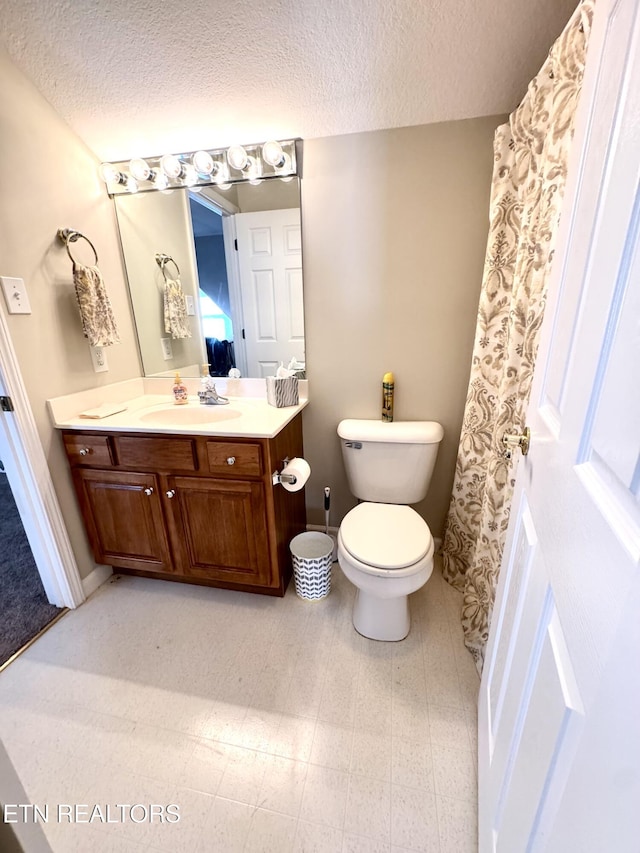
x,y
162,260
68,235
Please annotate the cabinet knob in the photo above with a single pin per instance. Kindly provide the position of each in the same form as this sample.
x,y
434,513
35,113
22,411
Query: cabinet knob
x,y
84,451
148,490
170,493
231,460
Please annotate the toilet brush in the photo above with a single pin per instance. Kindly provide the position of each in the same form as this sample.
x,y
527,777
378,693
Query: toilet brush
x,y
327,507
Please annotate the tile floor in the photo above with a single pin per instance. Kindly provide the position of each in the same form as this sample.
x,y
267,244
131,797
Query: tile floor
x,y
270,722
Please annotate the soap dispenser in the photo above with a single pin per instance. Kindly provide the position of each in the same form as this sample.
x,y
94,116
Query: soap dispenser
x,y
180,393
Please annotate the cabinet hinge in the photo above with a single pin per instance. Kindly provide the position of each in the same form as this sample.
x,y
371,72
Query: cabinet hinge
x,y
6,404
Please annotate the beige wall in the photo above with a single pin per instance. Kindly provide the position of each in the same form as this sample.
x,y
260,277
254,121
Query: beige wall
x,y
49,181
269,195
394,233
149,223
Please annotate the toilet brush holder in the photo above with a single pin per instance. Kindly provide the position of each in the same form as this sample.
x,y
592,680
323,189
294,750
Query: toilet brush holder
x,y
327,507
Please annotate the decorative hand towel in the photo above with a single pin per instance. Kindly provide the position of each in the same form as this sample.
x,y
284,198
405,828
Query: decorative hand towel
x,y
175,310
98,322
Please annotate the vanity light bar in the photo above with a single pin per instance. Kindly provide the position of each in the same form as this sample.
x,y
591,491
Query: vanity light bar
x,y
217,167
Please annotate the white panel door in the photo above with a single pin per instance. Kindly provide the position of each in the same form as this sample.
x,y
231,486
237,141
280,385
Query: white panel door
x,y
559,714
270,261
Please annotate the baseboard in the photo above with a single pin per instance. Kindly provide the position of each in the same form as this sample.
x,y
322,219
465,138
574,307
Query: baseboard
x,y
333,531
95,579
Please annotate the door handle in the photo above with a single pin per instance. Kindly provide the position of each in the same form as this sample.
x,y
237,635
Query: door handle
x,y
512,442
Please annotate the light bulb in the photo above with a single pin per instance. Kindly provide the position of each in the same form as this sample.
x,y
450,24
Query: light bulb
x,y
140,169
160,182
222,173
203,162
109,173
190,176
253,168
171,166
273,154
132,185
224,186
237,157
285,165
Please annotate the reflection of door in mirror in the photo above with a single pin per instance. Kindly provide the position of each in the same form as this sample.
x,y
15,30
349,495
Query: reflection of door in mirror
x,y
270,267
239,254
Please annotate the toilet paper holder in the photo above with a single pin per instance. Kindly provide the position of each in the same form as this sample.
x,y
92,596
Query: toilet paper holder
x,y
280,477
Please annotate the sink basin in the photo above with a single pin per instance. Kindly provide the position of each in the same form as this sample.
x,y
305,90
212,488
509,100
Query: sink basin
x,y
189,415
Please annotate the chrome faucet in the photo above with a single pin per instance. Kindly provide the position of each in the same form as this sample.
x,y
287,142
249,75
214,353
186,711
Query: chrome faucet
x,y
210,397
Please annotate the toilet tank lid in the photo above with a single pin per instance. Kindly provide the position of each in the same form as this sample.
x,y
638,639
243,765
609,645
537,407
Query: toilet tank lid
x,y
402,432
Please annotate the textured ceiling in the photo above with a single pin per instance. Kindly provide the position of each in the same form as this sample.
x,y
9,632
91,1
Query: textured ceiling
x,y
146,76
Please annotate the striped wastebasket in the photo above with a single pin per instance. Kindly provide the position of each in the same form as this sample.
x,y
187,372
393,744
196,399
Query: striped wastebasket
x,y
312,555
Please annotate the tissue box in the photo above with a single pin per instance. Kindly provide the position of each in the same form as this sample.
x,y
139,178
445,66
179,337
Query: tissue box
x,y
282,392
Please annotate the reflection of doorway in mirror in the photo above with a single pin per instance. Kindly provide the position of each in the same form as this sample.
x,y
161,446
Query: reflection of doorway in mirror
x,y
270,268
215,301
250,272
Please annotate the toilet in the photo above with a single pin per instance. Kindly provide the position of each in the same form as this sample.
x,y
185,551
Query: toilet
x,y
384,547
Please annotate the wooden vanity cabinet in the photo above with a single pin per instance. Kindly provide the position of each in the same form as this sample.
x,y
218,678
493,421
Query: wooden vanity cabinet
x,y
197,509
123,515
222,529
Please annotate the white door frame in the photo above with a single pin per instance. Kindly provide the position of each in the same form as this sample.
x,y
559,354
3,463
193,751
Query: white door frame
x,y
30,480
229,234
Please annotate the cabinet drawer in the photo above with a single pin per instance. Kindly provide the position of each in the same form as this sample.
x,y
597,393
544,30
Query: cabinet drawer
x,y
162,454
234,458
92,450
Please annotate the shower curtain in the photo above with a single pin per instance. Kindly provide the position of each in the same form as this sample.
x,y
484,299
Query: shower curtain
x,y
530,164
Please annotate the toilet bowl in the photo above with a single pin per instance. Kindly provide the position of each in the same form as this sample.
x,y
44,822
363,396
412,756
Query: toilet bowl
x,y
386,551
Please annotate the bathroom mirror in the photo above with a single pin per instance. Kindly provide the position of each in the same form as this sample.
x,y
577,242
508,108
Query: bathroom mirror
x,y
237,257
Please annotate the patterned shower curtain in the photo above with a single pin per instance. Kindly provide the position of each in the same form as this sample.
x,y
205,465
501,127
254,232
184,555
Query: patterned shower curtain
x,y
530,164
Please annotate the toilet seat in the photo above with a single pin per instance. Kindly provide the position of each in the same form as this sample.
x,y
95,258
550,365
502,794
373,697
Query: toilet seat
x,y
389,538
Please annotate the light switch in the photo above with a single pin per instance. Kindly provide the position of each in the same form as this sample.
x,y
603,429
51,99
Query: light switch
x,y
15,294
191,308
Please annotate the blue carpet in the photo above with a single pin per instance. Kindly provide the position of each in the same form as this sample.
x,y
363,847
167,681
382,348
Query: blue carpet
x,y
24,609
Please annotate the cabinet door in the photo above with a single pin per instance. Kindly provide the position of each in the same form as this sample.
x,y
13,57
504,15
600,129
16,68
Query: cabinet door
x,y
124,519
223,530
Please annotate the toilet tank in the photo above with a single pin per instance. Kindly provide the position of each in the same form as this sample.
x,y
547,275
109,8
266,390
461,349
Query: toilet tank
x,y
389,462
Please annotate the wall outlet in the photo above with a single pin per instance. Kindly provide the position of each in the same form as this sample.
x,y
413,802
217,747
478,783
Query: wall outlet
x,y
99,359
191,308
15,294
167,351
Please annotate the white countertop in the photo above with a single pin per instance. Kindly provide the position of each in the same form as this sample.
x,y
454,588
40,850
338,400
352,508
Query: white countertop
x,y
248,415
